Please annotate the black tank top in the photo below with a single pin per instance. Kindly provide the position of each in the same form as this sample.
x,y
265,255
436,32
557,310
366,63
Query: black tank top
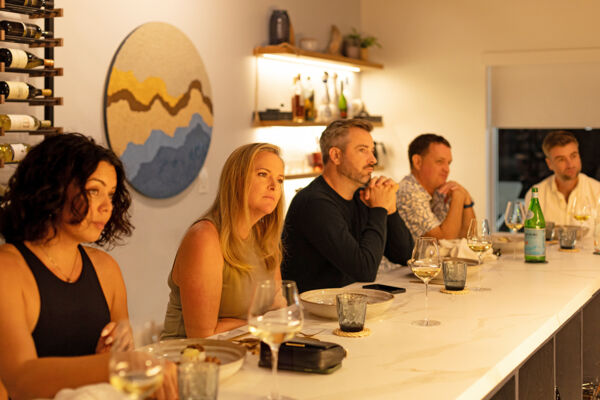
x,y
72,315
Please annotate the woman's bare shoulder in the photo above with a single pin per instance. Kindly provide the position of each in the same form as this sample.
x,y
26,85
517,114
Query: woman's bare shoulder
x,y
202,232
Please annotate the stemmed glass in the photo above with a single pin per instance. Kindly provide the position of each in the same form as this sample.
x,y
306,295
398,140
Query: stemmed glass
x,y
426,264
275,315
138,374
479,240
514,217
581,211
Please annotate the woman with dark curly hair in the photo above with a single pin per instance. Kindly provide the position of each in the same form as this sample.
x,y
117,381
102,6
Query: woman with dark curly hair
x,y
59,300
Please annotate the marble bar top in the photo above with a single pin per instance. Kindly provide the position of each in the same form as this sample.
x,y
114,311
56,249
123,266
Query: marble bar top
x,y
482,338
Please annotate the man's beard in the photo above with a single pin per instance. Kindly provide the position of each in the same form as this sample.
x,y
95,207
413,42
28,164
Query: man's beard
x,y
355,175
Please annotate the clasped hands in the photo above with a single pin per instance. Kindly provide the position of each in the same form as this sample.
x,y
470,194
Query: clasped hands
x,y
454,190
380,192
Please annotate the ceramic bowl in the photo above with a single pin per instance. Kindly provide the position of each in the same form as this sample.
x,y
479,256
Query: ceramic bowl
x,y
321,302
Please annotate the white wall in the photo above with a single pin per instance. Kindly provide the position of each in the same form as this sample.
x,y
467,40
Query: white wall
x,y
435,76
224,33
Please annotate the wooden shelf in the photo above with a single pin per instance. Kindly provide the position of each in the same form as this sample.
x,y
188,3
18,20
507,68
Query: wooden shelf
x,y
32,12
258,123
33,71
312,174
46,42
37,101
44,131
295,54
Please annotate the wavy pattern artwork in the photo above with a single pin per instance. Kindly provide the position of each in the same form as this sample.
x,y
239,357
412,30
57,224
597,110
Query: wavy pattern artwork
x,y
158,111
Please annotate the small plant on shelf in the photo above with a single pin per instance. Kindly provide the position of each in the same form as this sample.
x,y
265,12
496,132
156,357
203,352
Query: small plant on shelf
x,y
356,45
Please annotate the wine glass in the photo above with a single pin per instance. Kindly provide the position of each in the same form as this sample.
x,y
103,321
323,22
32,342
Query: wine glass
x,y
581,211
425,264
514,217
275,315
479,240
138,374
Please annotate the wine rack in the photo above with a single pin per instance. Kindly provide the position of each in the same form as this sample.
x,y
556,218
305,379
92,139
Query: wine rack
x,y
48,73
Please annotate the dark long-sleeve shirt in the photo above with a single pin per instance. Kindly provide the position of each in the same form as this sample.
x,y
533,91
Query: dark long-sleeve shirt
x,y
331,242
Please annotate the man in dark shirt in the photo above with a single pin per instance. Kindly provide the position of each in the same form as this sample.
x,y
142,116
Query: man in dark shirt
x,y
338,228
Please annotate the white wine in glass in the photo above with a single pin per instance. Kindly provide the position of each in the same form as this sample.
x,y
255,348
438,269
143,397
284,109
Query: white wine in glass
x,y
514,217
275,315
426,264
479,239
135,373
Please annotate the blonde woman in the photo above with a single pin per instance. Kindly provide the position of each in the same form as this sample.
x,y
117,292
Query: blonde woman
x,y
233,246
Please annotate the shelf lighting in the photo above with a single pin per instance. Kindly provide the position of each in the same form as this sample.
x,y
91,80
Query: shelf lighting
x,y
314,63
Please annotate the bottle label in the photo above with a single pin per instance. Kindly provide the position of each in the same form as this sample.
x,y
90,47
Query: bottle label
x,y
21,122
19,58
535,242
17,90
19,152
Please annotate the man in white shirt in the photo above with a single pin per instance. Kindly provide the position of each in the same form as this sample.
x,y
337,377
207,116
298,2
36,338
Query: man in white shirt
x,y
559,192
429,204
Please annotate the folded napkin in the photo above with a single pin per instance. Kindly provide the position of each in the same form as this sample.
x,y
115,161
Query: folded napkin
x,y
100,391
459,248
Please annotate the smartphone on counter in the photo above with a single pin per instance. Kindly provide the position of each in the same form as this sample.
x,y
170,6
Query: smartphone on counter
x,y
385,288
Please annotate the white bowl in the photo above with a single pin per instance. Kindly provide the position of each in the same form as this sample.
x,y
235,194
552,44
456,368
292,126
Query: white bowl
x,y
321,302
508,242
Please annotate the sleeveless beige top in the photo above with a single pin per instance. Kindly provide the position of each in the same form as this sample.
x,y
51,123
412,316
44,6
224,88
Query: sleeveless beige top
x,y
236,293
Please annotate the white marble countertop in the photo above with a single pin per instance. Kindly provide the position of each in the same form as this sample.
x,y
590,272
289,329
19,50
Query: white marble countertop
x,y
482,338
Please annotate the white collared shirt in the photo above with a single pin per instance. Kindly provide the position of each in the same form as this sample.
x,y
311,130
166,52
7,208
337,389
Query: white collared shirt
x,y
556,208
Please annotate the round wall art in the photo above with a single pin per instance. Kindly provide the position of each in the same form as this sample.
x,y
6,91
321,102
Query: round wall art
x,y
158,111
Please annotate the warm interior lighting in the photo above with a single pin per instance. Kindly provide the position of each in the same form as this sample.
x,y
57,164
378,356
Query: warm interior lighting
x,y
306,61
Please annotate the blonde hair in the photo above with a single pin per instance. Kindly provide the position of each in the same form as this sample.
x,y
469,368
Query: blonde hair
x,y
231,206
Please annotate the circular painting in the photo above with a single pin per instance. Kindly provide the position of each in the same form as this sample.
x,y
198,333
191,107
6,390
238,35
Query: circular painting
x,y
158,112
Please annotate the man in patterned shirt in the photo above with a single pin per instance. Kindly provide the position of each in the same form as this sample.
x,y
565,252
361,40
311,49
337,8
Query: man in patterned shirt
x,y
428,203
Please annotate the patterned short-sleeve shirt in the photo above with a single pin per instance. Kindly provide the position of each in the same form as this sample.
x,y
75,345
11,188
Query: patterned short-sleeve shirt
x,y
420,211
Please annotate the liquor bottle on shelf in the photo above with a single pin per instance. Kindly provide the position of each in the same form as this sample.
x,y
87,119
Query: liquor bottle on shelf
x,y
23,29
17,122
32,3
309,101
297,101
14,152
17,58
323,111
342,104
13,90
335,97
535,231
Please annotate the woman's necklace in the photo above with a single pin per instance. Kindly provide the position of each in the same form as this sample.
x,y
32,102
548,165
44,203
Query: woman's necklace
x,y
57,270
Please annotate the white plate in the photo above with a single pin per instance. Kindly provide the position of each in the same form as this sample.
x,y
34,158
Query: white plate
x,y
231,355
321,302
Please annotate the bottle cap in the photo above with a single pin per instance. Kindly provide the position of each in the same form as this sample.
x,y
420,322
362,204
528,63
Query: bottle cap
x,y
45,124
48,63
46,92
534,189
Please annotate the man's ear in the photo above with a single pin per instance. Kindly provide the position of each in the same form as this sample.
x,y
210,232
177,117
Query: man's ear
x,y
335,155
417,161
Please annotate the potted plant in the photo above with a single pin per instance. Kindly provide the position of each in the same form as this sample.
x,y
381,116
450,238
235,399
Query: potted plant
x,y
357,45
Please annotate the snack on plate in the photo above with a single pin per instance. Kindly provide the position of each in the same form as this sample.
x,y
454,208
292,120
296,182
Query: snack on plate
x,y
193,352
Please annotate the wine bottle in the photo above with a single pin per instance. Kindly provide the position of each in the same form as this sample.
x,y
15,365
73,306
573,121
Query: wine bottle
x,y
535,231
17,58
17,122
21,90
32,3
23,29
342,104
309,101
14,152
297,101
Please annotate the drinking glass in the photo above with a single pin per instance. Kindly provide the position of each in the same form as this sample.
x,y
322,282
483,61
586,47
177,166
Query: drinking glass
x,y
425,264
479,240
581,210
275,315
514,217
138,374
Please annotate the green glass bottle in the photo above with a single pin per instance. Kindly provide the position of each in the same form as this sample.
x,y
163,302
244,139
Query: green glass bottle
x,y
535,231
342,104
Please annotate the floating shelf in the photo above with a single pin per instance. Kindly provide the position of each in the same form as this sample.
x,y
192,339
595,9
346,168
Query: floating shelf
x,y
258,123
312,174
294,54
33,71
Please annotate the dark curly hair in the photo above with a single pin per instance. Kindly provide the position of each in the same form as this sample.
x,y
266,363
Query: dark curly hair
x,y
37,192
